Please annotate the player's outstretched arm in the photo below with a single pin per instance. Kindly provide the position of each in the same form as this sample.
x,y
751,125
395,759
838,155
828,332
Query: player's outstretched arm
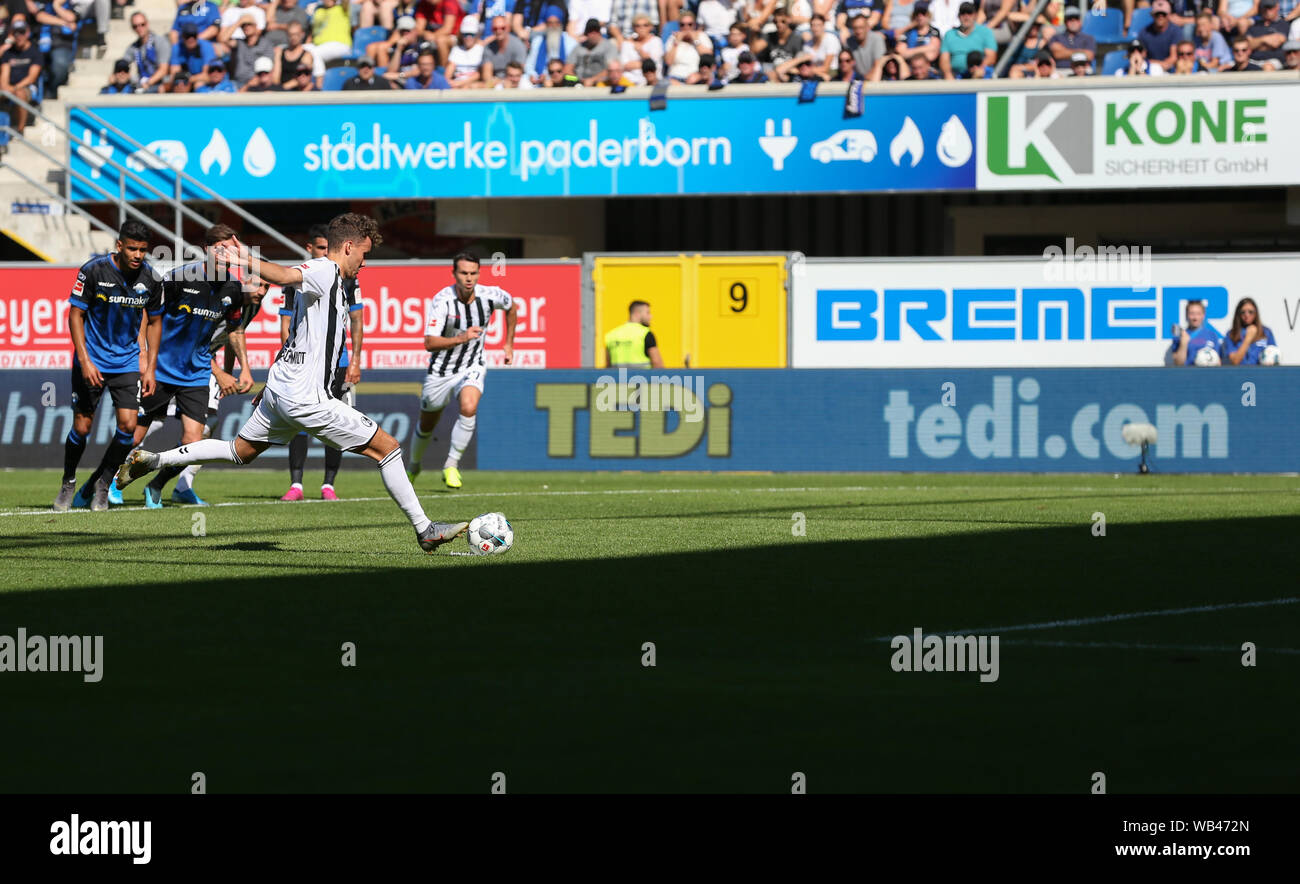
x,y
276,274
512,317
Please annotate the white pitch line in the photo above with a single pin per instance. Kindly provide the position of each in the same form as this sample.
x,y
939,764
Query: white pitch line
x,y
1040,643
1109,618
612,491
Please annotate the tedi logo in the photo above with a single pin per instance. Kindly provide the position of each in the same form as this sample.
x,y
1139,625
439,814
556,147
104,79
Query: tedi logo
x,y
1039,135
659,417
78,837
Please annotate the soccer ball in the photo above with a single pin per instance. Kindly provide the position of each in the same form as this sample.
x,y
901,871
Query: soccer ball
x,y
1272,355
1207,356
490,533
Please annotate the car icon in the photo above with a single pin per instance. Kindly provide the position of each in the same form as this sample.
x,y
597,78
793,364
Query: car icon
x,y
846,144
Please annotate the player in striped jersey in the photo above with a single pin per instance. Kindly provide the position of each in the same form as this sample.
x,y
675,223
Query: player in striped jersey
x,y
346,376
297,395
453,335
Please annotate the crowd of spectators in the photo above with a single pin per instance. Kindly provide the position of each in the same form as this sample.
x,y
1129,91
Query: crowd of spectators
x,y
291,45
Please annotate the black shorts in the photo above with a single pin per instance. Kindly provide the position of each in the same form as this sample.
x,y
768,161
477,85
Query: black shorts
x,y
191,402
124,387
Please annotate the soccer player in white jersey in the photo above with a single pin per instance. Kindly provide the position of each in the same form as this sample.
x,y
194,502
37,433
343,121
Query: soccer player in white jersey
x,y
297,395
453,335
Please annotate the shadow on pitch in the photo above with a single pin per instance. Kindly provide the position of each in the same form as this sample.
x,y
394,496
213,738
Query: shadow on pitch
x,y
766,663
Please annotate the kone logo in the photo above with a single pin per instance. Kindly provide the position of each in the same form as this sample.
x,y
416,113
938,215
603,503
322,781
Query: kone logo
x,y
1039,135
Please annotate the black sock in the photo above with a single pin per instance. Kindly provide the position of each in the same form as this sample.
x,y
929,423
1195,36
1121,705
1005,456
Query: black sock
x,y
73,447
165,475
117,451
333,458
297,458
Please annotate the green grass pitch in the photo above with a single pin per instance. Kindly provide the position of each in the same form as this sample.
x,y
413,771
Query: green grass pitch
x,y
222,652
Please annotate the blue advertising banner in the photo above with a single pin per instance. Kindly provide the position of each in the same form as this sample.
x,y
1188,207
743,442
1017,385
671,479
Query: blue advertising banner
x,y
1219,420
443,147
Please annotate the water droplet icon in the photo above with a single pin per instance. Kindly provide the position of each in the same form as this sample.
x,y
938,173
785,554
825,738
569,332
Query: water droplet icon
x,y
259,155
954,147
216,153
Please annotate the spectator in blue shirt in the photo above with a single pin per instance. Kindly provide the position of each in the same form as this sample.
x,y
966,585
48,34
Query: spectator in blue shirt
x,y
1160,36
217,81
427,74
1245,342
193,55
968,37
1189,341
1212,52
203,15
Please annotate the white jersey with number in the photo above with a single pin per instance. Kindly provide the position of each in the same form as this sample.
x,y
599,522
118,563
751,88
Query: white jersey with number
x,y
448,316
304,368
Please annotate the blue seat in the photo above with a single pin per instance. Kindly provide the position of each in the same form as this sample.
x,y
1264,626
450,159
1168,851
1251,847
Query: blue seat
x,y
336,77
4,121
1141,18
363,37
1108,27
1115,60
666,29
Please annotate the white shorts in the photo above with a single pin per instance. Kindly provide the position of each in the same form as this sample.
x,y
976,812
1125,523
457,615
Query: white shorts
x,y
333,421
440,388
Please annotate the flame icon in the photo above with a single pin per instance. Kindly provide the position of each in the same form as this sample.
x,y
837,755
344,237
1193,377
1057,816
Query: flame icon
x,y
259,155
907,141
954,147
216,153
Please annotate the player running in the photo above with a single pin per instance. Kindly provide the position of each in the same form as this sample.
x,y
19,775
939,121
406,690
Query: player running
x,y
200,301
346,376
109,298
297,394
453,334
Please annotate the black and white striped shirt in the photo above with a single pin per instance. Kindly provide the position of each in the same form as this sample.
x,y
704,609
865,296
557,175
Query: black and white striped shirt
x,y
448,316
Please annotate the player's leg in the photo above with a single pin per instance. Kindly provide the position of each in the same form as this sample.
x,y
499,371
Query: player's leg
x,y
265,427
334,456
297,463
85,400
124,389
433,398
192,405
342,426
184,491
469,390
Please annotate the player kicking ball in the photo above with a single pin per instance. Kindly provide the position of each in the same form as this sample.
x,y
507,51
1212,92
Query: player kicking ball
x,y
453,335
297,393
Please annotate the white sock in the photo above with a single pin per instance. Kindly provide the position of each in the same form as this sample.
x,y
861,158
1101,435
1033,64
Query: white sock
x,y
153,427
421,443
185,481
203,451
400,489
460,436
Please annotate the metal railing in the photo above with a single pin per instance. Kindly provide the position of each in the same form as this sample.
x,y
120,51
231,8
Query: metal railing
x,y
180,179
181,176
1018,40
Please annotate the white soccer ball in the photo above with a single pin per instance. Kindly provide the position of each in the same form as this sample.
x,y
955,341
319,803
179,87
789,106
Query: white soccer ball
x,y
1272,355
490,533
1207,356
